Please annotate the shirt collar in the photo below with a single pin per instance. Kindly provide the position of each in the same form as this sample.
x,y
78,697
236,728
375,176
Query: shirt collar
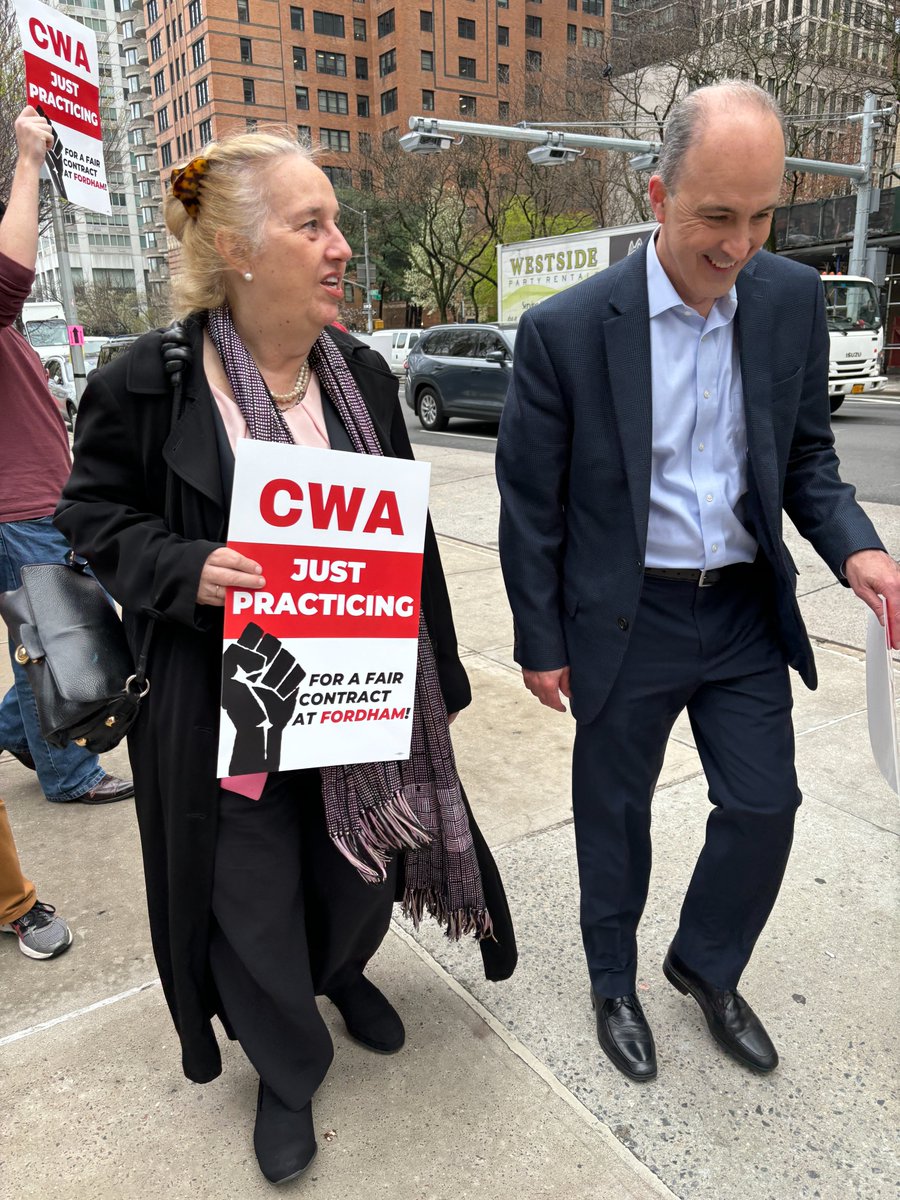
x,y
662,296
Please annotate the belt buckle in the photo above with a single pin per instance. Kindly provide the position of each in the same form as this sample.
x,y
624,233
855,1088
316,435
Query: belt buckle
x,y
702,582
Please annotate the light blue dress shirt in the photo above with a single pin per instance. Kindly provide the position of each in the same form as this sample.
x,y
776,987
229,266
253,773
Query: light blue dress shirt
x,y
699,464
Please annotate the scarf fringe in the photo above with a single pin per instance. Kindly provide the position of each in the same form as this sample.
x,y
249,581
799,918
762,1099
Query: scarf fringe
x,y
383,829
458,922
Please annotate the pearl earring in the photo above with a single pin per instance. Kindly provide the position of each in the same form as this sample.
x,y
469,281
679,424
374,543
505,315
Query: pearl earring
x,y
248,275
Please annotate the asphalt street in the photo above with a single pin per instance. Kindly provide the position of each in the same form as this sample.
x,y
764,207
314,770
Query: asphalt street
x,y
866,431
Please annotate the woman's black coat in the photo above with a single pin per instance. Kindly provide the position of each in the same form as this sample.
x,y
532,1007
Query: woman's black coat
x,y
112,513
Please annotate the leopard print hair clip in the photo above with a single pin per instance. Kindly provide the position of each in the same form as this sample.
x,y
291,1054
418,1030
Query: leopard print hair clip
x,y
186,183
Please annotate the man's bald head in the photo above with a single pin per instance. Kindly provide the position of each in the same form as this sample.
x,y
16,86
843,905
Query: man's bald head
x,y
691,116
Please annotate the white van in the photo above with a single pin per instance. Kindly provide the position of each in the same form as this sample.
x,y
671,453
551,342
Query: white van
x,y
392,344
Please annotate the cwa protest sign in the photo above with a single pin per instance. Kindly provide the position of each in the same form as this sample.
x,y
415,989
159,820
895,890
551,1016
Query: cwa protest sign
x,y
319,666
62,81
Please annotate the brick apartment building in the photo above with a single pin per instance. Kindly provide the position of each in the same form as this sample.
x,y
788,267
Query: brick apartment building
x,y
344,71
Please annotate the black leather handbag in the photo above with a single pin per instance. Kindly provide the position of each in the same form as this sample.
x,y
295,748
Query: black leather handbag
x,y
69,639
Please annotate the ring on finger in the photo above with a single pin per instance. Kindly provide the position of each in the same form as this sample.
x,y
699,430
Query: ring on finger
x,y
218,592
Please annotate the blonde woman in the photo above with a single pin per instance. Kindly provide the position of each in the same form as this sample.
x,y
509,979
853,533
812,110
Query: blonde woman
x,y
255,906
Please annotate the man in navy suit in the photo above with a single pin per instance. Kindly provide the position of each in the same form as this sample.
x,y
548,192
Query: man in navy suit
x,y
660,418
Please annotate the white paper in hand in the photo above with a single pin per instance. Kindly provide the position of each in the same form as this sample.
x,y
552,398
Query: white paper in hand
x,y
882,700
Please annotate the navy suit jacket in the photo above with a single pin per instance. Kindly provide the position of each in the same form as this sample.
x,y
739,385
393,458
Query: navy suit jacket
x,y
574,463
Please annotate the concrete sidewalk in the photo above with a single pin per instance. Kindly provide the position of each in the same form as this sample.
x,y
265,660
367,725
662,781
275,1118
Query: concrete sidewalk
x,y
502,1090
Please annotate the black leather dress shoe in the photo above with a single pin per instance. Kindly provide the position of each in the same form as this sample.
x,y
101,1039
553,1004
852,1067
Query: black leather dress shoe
x,y
731,1020
107,790
625,1036
284,1140
369,1016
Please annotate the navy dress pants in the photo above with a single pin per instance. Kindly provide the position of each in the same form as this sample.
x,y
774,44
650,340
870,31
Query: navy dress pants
x,y
292,919
715,652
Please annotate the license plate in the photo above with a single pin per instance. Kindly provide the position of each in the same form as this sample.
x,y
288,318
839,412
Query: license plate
x,y
857,389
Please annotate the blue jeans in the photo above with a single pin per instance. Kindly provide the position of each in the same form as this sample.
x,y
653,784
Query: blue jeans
x,y
63,774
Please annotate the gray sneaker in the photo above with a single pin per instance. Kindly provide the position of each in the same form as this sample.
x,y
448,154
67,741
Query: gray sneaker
x,y
40,932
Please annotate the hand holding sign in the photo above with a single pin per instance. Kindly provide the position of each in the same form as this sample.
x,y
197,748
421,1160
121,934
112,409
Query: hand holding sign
x,y
260,680
34,136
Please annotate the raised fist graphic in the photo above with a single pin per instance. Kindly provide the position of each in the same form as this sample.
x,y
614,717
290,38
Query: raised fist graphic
x,y
260,681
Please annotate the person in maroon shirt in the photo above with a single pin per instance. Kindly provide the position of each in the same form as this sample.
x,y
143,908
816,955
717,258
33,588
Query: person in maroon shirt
x,y
34,465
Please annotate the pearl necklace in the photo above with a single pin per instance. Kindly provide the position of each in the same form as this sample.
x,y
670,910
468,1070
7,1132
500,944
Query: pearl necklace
x,y
287,400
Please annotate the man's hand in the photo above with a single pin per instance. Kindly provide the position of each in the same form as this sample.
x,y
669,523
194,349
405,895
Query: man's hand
x,y
227,568
547,686
34,136
873,574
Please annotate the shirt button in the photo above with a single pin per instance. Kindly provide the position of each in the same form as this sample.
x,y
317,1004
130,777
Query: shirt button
x,y
715,547
701,446
622,623
709,498
706,394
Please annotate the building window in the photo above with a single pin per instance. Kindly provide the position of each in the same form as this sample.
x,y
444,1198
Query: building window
x,y
198,52
155,47
195,15
165,154
594,7
467,68
465,28
204,131
359,29
338,176
297,19
301,97
502,35
503,72
336,139
534,60
426,21
362,68
365,143
534,95
201,93
503,110
136,109
159,83
388,102
331,64
299,58
162,118
132,84
467,106
387,62
571,33
573,5
427,60
243,11
362,106
427,100
152,11
249,91
386,23
333,102
246,50
304,135
592,37
534,27
331,24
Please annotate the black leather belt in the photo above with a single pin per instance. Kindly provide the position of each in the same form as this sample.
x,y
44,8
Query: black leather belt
x,y
687,575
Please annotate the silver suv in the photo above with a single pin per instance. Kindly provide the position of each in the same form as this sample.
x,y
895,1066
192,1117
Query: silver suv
x,y
459,371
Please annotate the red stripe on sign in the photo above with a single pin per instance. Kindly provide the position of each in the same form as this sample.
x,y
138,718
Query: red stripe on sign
x,y
65,99
313,592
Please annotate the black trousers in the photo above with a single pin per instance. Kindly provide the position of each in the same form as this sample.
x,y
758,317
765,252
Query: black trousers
x,y
292,919
715,652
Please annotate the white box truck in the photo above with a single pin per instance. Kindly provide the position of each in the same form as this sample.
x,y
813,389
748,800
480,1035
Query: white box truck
x,y
529,272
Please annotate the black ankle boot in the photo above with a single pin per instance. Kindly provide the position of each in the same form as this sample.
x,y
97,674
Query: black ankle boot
x,y
284,1140
369,1016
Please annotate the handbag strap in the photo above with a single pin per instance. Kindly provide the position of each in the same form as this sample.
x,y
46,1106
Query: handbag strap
x,y
177,354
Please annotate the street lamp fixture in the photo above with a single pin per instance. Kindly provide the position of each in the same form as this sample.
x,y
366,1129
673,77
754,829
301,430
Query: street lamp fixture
x,y
643,162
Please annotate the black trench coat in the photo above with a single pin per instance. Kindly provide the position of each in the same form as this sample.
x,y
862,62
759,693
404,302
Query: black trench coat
x,y
112,513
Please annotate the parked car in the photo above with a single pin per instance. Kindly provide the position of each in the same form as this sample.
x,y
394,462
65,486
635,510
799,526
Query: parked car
x,y
62,387
393,345
459,371
114,347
